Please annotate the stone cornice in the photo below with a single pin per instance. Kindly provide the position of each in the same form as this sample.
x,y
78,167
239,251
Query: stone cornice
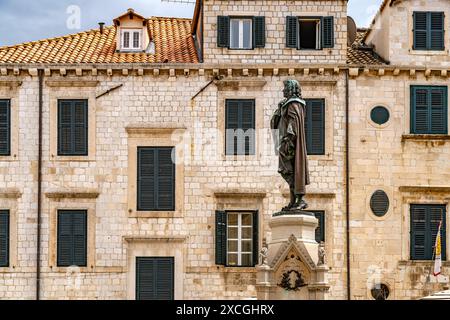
x,y
154,128
424,188
154,238
10,194
239,193
71,83
73,194
10,83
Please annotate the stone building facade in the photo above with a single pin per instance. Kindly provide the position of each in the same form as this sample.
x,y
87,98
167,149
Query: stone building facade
x,y
171,88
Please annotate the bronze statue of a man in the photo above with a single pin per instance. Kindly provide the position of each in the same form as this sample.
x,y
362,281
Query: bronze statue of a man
x,y
289,120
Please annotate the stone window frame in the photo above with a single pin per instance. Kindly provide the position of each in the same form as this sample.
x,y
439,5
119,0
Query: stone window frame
x,y
70,90
9,201
419,198
154,137
407,105
156,247
376,125
251,94
411,50
71,202
11,93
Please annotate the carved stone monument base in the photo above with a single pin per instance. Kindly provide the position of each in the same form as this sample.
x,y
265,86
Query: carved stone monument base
x,y
290,270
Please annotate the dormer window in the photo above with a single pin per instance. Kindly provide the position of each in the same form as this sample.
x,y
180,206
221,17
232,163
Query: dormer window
x,y
131,39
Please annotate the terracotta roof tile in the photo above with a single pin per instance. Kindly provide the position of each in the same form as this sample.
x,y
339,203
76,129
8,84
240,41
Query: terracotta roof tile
x,y
172,37
359,54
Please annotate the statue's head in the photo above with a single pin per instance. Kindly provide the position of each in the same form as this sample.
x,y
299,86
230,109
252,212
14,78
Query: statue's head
x,y
292,89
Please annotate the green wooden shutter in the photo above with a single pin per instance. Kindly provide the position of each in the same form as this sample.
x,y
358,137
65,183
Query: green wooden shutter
x,y
327,32
4,238
436,31
418,233
146,182
259,32
292,32
155,179
223,31
438,110
315,126
165,188
72,238
5,128
247,116
420,30
320,230
80,127
155,278
72,128
221,237
231,125
255,238
429,110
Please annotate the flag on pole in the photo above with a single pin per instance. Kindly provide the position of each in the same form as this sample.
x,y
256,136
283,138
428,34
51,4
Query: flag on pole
x,y
437,253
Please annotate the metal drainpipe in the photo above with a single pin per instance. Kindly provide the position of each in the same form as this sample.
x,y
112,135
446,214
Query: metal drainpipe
x,y
39,193
347,183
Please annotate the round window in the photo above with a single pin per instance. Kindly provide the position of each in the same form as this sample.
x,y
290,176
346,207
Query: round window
x,y
379,203
380,291
379,115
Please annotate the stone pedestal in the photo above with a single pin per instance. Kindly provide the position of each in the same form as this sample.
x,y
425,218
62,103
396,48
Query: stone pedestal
x,y
291,269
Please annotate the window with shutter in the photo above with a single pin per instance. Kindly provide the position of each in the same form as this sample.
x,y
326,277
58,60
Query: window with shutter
x,y
315,126
156,179
72,127
223,32
424,225
428,30
237,238
155,278
310,33
259,32
241,32
5,127
72,238
4,238
240,138
429,110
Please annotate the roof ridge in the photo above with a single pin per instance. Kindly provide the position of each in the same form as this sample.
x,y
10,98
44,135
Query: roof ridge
x,y
29,43
172,18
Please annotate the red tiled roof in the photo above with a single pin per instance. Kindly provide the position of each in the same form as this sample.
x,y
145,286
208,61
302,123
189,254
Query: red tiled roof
x,y
172,37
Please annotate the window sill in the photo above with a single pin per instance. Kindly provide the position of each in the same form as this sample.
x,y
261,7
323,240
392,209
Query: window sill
x,y
429,52
426,137
8,269
9,158
72,158
424,263
154,214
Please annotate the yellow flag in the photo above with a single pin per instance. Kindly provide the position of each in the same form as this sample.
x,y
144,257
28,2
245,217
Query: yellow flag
x,y
437,253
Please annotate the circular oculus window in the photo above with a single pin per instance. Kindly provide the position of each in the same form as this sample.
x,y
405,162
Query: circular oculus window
x,y
379,115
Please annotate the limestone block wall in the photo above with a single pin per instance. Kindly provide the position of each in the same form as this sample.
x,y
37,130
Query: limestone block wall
x,y
275,12
144,106
383,158
393,36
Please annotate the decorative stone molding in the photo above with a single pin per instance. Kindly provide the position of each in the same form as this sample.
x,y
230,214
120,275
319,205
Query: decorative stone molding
x,y
71,83
154,128
10,194
284,250
10,83
73,194
234,85
154,239
426,137
312,194
424,188
239,193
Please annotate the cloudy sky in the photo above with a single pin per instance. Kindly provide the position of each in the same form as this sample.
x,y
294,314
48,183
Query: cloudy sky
x,y
27,20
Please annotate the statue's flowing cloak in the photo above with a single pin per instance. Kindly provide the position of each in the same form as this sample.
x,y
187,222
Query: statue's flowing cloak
x,y
290,121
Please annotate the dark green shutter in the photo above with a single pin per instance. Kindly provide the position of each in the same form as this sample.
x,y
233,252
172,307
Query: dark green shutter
x,y
5,128
72,238
320,230
420,30
259,32
429,29
221,237
223,31
436,33
315,126
72,128
155,278
292,32
240,115
255,237
424,225
4,238
155,179
327,32
429,110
